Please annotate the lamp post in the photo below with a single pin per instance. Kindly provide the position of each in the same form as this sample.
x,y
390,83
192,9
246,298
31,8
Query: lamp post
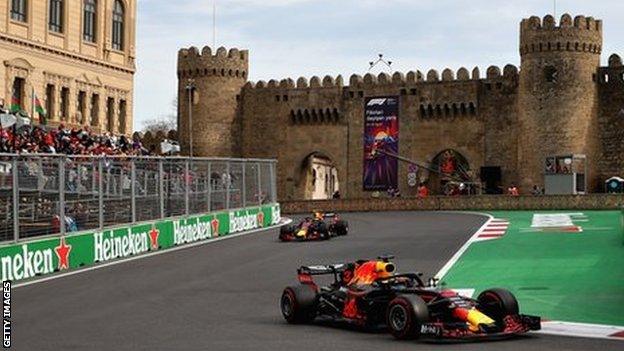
x,y
190,86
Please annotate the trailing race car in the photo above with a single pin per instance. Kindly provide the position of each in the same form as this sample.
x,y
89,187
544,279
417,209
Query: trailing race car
x,y
370,294
315,228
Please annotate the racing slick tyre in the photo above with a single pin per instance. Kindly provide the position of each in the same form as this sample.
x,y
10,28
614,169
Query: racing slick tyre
x,y
498,303
341,227
298,304
405,316
285,231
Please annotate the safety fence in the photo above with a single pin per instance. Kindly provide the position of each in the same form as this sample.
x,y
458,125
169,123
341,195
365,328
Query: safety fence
x,y
49,194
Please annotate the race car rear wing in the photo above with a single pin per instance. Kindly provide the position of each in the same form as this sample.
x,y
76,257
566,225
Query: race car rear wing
x,y
322,269
305,273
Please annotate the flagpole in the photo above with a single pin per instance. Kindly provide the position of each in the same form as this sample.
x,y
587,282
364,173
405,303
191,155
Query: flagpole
x,y
214,25
32,107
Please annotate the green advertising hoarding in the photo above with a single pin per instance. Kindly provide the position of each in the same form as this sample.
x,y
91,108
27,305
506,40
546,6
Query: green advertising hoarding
x,y
45,256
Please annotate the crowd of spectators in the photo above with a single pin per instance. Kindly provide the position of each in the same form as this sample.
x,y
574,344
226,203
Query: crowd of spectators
x,y
69,141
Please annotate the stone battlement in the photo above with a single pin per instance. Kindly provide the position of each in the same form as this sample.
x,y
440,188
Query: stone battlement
x,y
193,64
583,34
384,79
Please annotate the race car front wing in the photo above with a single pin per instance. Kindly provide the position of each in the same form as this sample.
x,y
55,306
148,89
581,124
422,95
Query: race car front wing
x,y
513,325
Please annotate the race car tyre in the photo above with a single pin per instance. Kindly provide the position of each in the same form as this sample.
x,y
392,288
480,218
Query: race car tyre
x,y
405,316
341,227
285,231
298,304
498,303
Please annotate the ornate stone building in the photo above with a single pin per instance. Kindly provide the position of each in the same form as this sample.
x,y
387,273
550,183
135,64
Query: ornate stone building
x,y
77,56
560,101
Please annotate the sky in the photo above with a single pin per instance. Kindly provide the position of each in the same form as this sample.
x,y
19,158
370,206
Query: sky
x,y
294,38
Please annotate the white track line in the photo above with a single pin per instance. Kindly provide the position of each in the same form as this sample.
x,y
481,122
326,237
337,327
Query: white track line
x,y
442,272
583,330
283,221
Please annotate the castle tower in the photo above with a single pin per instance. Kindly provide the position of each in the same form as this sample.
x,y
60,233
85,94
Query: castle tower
x,y
216,82
558,100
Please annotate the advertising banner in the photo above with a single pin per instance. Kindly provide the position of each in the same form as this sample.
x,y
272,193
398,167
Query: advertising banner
x,y
45,256
381,133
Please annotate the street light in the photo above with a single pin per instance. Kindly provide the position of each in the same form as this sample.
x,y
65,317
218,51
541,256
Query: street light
x,y
190,86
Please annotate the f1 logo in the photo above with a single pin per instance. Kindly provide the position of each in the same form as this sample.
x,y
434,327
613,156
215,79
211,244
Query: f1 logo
x,y
374,102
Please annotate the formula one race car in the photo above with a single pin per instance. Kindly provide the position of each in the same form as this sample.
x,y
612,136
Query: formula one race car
x,y
368,293
322,226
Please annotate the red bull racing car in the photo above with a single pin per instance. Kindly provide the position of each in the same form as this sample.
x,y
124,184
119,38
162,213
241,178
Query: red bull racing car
x,y
322,226
369,293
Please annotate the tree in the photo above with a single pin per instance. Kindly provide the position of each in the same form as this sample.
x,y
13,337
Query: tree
x,y
165,122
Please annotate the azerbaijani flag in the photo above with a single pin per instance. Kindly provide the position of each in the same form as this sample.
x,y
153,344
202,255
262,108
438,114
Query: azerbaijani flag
x,y
40,110
15,104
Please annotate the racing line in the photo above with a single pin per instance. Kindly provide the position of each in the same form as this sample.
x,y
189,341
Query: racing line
x,y
224,295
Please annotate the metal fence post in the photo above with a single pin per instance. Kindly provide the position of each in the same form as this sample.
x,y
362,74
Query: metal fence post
x,y
62,193
161,189
259,181
133,188
244,185
228,181
186,186
272,182
101,192
209,191
15,200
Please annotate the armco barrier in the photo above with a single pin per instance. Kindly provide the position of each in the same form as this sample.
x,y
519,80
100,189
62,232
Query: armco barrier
x,y
460,203
45,256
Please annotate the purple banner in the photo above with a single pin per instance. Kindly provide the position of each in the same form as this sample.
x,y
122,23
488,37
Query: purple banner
x,y
381,141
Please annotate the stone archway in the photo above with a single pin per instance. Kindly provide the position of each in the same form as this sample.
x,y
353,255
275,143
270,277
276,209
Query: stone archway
x,y
317,177
451,173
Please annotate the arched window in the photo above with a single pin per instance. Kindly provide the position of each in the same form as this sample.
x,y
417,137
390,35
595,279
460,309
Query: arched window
x,y
89,18
118,25
18,10
55,18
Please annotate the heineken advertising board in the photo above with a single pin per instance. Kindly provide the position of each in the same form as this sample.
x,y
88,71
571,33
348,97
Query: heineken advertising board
x,y
45,256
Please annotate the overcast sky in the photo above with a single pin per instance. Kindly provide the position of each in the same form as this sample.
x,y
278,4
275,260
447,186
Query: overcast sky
x,y
293,38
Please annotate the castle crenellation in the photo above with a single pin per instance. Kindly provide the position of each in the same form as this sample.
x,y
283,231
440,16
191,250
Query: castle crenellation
x,y
492,119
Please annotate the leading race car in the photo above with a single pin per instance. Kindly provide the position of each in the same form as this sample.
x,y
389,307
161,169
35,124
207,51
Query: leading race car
x,y
322,226
369,293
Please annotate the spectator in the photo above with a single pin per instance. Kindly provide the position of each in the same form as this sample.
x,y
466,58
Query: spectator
x,y
536,190
513,190
423,191
336,194
61,140
397,193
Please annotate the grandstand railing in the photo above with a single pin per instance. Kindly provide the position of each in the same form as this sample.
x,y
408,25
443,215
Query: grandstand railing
x,y
43,194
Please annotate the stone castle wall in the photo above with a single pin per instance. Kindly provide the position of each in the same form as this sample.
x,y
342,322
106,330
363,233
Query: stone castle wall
x,y
509,118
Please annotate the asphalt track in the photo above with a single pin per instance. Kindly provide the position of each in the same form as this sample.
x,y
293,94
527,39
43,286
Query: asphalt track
x,y
224,295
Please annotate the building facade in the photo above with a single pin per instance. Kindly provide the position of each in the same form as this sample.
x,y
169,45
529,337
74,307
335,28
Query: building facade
x,y
76,56
505,123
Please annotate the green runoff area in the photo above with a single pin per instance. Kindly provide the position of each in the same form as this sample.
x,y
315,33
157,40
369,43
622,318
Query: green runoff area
x,y
555,273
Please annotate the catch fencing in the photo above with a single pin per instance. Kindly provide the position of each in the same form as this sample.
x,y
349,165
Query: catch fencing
x,y
49,194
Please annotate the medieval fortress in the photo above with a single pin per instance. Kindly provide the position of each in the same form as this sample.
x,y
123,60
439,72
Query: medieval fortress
x,y
560,101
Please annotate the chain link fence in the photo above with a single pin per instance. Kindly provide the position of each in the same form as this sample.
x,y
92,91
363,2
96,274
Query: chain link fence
x,y
50,194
